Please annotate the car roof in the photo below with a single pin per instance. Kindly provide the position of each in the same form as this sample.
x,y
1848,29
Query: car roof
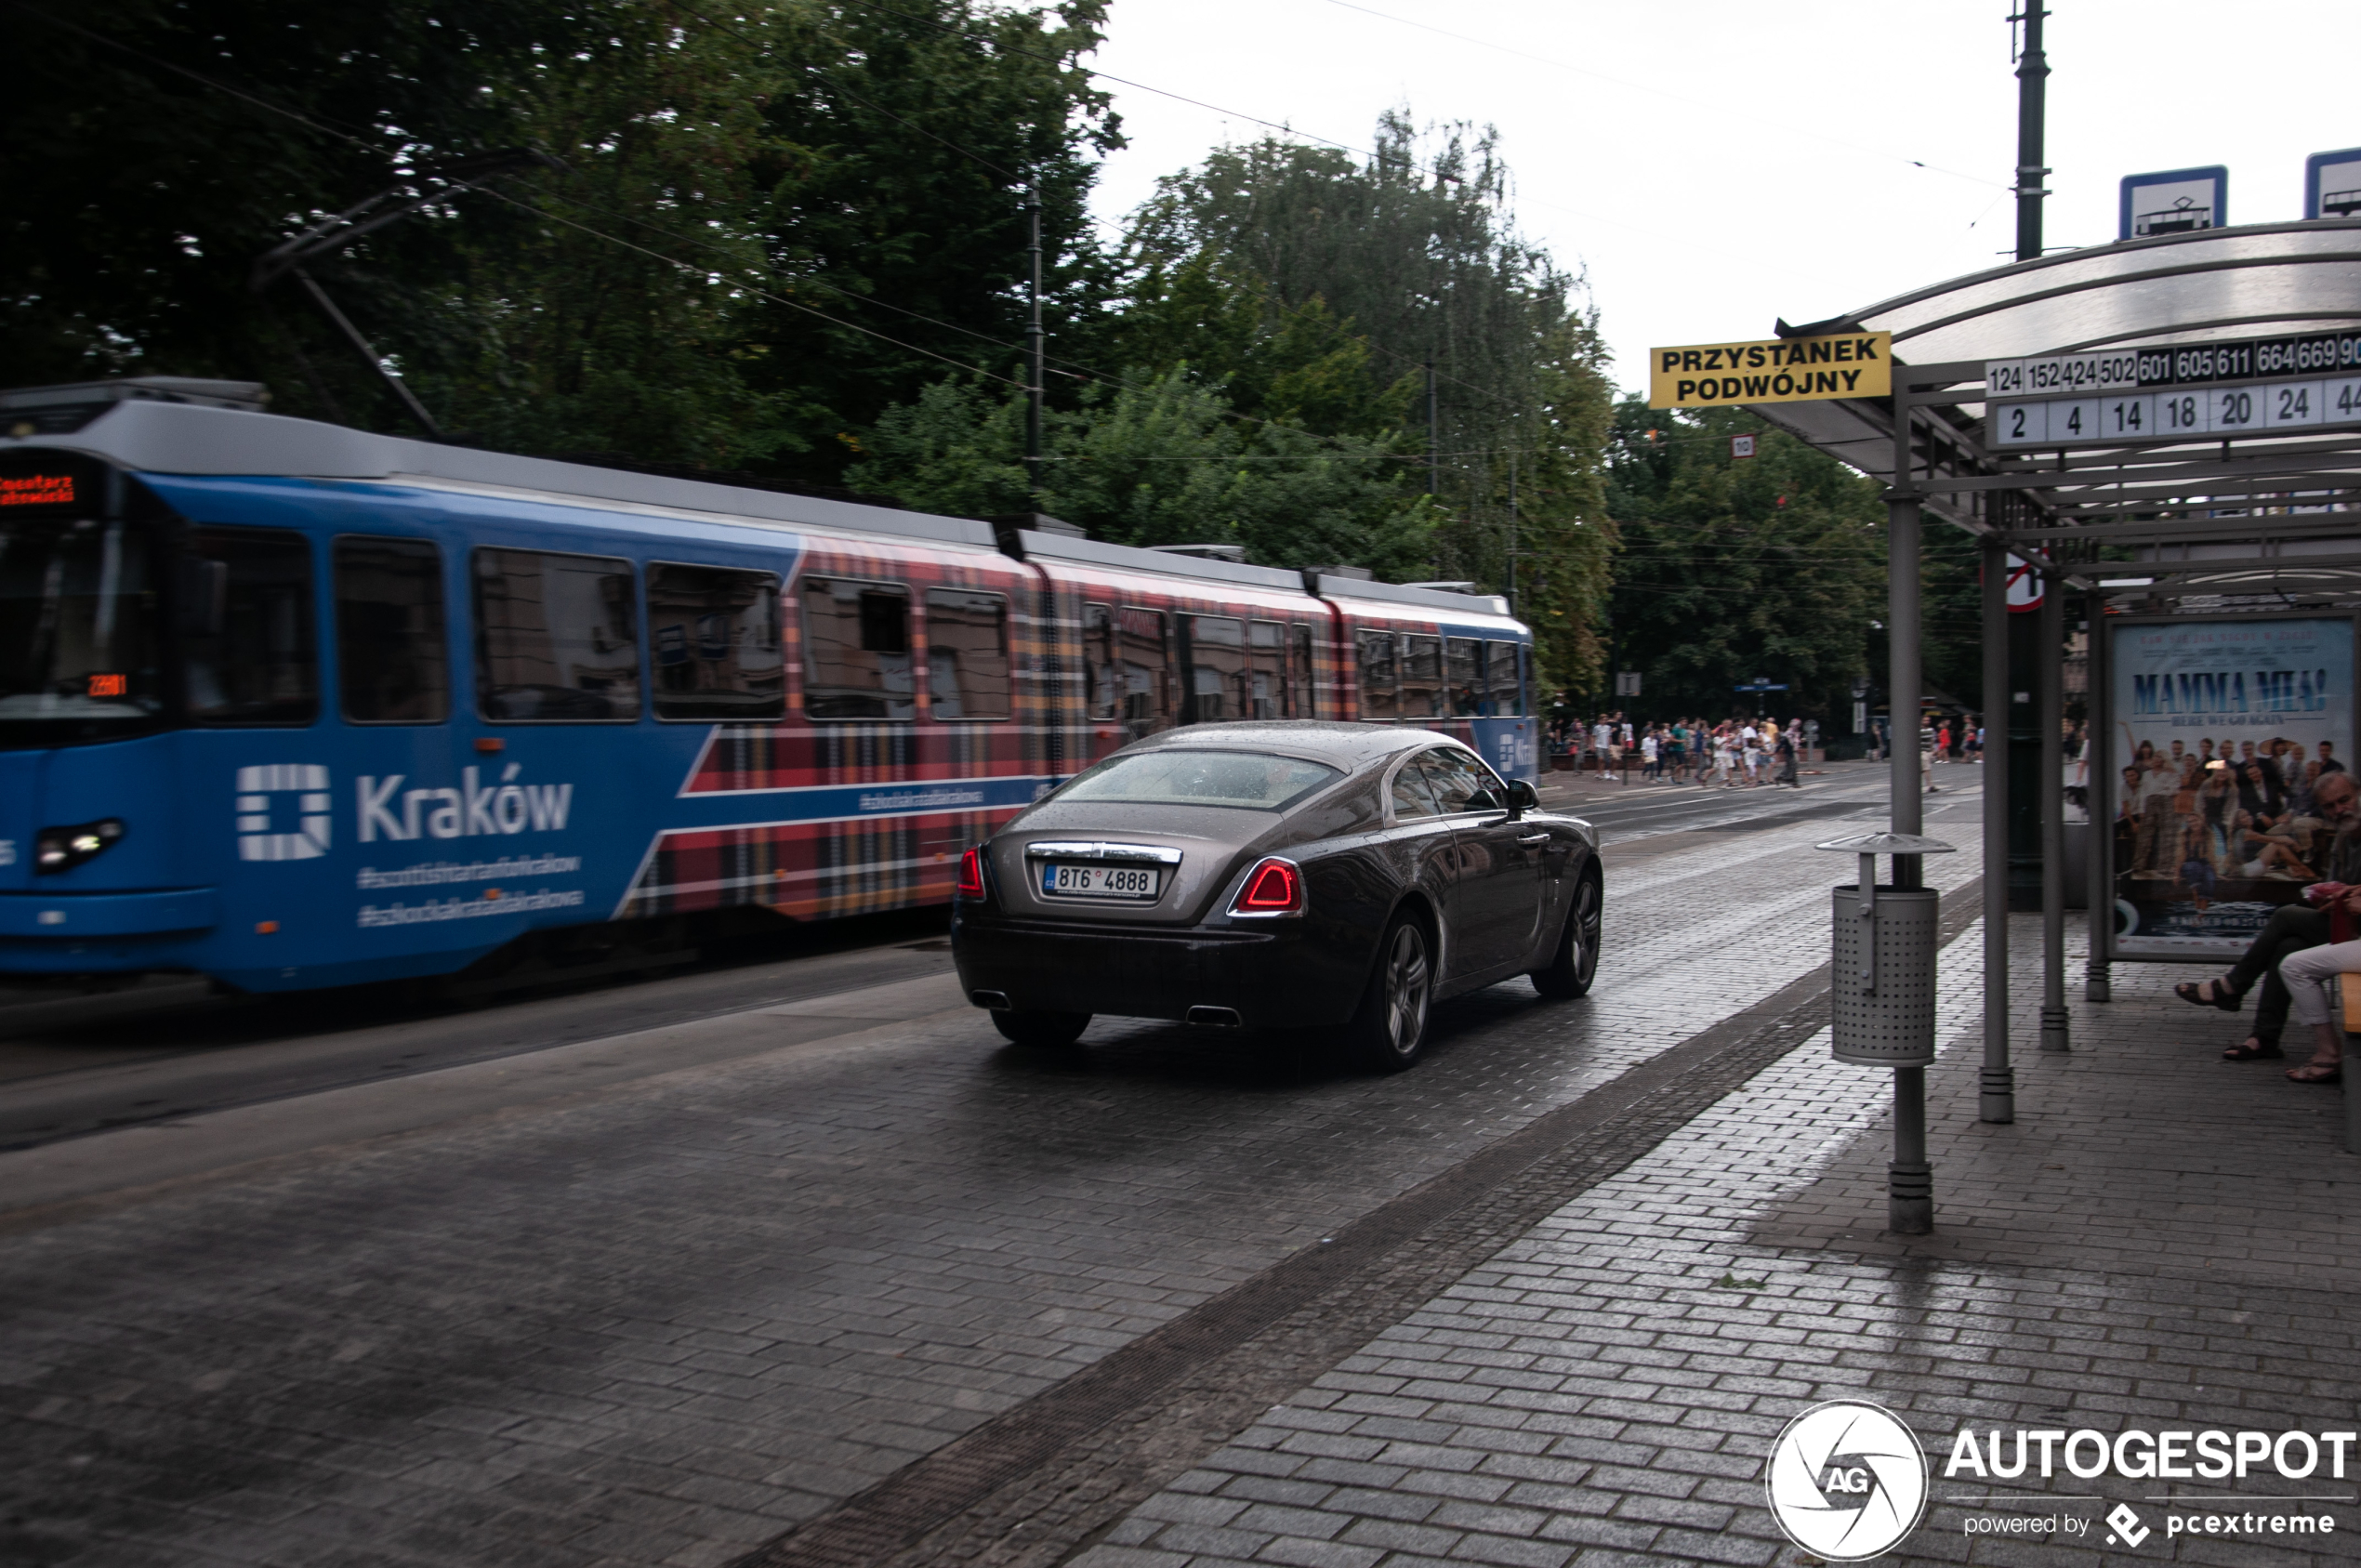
x,y
1345,746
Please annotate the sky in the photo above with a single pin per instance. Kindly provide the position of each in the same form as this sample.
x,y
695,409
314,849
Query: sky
x,y
1711,166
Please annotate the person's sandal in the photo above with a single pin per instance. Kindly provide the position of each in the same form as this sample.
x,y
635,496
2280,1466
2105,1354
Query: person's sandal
x,y
2256,1051
2195,996
2317,1073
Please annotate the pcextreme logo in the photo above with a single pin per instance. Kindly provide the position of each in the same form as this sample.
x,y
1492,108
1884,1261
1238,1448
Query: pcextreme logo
x,y
1848,1480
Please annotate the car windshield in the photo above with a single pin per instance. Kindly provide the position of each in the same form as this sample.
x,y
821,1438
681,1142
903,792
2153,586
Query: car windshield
x,y
1255,781
78,633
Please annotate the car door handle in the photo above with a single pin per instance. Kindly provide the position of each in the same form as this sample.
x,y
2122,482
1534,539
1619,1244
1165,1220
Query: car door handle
x,y
1533,840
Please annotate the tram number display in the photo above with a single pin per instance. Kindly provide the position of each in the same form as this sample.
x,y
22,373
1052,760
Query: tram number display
x,y
1060,879
2114,418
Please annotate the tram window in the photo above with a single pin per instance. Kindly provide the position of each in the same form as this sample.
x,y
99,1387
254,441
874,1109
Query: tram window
x,y
246,646
555,638
1145,671
392,663
714,631
1217,669
856,650
1301,700
1102,686
1267,670
81,652
967,653
1422,695
1507,692
1463,666
1377,697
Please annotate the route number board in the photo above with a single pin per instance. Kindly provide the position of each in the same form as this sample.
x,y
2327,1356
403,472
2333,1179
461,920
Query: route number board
x,y
2163,395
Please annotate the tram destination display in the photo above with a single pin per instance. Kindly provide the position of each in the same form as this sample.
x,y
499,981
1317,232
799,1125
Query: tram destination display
x,y
2186,390
2200,855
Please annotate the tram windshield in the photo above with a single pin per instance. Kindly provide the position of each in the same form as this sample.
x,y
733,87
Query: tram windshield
x,y
79,630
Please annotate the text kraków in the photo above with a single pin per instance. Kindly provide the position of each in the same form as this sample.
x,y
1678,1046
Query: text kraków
x,y
387,810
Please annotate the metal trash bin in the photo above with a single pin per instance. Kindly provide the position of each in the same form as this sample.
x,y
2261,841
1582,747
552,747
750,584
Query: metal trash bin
x,y
1881,976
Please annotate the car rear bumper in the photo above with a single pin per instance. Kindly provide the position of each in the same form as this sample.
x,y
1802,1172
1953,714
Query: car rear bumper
x,y
1275,975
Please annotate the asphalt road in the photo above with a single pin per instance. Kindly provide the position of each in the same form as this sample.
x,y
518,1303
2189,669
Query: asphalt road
x,y
71,1079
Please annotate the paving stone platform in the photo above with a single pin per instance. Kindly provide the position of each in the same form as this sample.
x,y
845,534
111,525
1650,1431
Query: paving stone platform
x,y
2160,1240
664,1323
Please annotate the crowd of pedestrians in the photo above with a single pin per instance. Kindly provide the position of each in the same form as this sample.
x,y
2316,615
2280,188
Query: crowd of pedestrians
x,y
1734,754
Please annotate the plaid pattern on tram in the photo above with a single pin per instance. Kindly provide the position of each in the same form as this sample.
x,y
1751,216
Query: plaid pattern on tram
x,y
864,859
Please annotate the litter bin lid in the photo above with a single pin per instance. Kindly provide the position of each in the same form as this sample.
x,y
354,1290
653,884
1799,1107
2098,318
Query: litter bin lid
x,y
1888,844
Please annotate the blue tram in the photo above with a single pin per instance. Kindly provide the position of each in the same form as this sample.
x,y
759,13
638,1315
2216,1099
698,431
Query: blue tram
x,y
292,705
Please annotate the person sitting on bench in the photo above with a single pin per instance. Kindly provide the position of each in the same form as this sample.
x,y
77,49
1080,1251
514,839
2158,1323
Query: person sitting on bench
x,y
2292,928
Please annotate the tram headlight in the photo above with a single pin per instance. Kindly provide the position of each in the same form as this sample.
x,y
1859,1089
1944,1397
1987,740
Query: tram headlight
x,y
62,849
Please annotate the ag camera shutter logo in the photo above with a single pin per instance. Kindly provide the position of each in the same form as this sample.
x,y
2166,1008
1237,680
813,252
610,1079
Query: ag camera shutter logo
x,y
1848,1480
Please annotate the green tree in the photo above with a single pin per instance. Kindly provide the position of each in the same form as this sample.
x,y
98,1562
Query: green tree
x,y
753,200
1733,567
1416,249
1158,459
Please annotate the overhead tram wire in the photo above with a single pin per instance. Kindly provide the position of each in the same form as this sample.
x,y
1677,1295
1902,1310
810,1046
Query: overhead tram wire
x,y
1660,92
1076,369
310,124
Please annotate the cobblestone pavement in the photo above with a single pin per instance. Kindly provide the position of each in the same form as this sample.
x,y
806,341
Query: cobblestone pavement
x,y
663,1323
2160,1241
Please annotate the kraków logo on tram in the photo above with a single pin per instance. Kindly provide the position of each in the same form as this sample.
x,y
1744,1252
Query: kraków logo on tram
x,y
284,795
476,808
1848,1480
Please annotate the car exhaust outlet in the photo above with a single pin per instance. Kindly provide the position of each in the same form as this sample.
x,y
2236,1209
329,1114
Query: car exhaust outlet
x,y
996,1000
1216,1018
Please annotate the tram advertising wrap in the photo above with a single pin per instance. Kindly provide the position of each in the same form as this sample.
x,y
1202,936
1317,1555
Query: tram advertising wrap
x,y
291,705
2222,731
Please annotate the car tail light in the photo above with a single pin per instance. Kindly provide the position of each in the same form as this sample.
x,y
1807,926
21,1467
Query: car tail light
x,y
1274,886
972,875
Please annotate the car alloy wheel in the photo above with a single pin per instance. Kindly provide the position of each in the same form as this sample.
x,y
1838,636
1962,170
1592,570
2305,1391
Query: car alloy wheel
x,y
1574,961
1391,1029
1586,922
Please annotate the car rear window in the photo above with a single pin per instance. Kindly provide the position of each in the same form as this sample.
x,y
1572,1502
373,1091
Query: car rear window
x,y
1254,781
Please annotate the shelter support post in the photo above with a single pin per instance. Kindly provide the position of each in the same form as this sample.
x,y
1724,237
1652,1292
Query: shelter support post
x,y
2050,677
2098,983
1997,1102
1909,1181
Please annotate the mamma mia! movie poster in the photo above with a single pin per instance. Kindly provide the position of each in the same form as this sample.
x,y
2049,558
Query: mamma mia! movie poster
x,y
2222,732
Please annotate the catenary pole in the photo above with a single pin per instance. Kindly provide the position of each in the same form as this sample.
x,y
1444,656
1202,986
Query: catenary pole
x,y
1434,449
2033,75
1033,346
2097,981
2053,872
1512,533
1996,1099
1909,1181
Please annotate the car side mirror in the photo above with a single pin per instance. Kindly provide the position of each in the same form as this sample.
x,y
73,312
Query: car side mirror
x,y
1523,797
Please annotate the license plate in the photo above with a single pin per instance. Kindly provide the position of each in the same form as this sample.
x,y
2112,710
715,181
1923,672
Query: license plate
x,y
1101,881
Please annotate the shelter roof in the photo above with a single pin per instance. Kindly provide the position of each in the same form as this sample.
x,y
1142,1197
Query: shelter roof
x,y
2260,510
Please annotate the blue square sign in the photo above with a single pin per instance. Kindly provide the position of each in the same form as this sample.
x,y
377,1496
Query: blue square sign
x,y
2173,202
2332,184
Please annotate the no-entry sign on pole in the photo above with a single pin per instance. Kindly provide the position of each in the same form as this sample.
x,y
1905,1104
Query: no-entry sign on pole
x,y
2024,587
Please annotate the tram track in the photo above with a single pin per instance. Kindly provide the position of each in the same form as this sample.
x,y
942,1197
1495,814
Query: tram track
x,y
203,1059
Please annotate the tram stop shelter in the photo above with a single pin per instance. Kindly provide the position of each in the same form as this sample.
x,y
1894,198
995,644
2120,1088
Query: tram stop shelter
x,y
2167,429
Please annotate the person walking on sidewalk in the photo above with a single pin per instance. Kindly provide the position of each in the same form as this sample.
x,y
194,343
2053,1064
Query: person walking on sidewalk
x,y
1787,773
